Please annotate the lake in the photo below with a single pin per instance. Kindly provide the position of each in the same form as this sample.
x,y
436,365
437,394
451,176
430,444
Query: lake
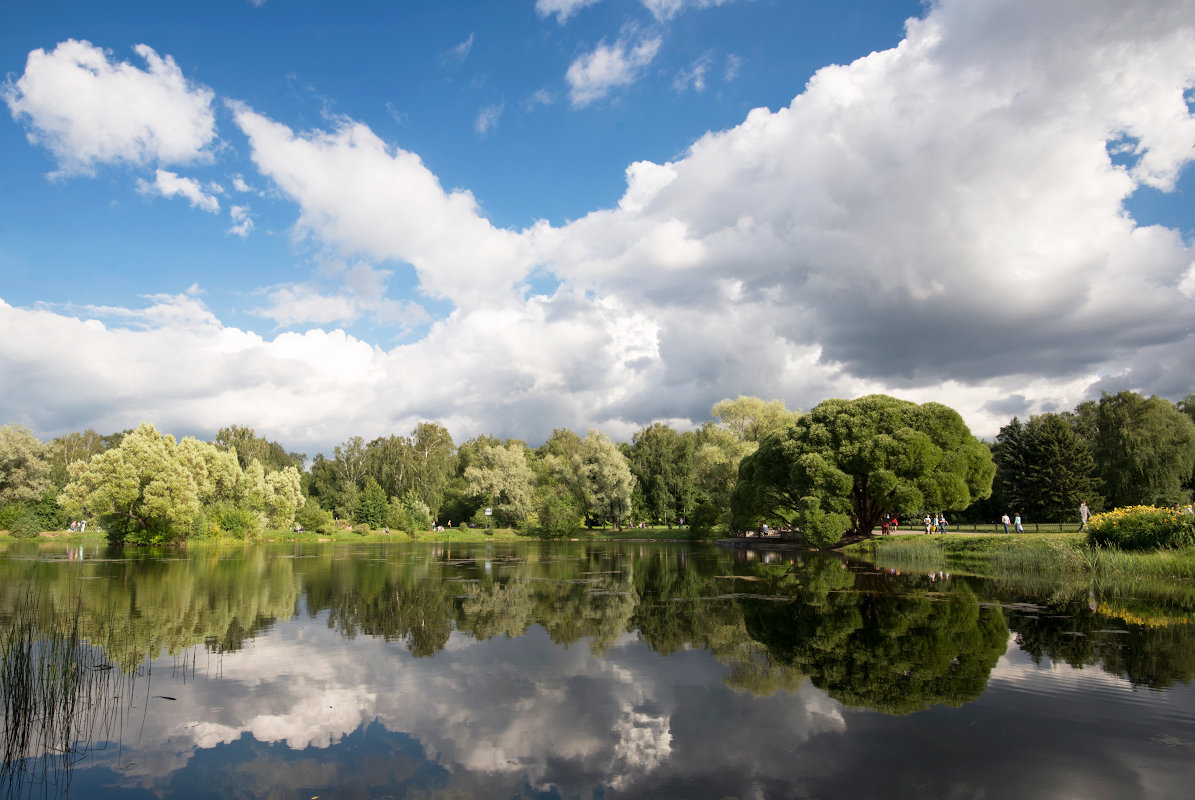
x,y
582,670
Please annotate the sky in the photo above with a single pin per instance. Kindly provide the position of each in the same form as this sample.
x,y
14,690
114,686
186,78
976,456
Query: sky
x,y
324,220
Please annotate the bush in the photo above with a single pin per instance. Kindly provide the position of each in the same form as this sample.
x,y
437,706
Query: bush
x,y
418,515
1141,528
28,526
361,529
556,514
10,514
311,517
704,518
236,522
202,527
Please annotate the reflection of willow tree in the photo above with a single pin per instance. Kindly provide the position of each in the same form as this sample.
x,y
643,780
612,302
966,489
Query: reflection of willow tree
x,y
1149,644
894,653
420,602
399,601
136,609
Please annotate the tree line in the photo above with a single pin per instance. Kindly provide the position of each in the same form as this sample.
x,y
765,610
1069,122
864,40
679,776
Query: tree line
x,y
837,470
1121,450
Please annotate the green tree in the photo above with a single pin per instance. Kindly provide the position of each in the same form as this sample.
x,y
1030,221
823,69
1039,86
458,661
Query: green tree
x,y
388,460
734,432
248,446
606,478
1043,468
749,419
24,470
845,463
1144,450
371,505
1011,456
65,450
1061,471
501,478
433,463
141,491
661,459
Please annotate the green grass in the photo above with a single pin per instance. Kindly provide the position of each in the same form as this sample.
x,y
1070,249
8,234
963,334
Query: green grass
x,y
1060,554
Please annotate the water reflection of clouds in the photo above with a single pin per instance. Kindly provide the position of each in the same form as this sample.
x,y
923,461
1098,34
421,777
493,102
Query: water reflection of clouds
x,y
302,707
542,715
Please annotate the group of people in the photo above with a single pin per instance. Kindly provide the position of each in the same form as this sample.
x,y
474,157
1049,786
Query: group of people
x,y
79,526
1015,522
935,524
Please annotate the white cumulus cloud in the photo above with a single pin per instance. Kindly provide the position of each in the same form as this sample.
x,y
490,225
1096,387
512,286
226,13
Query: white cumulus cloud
x,y
170,184
593,75
88,109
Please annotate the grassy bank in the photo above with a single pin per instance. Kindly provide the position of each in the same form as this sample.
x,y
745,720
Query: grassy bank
x,y
1000,556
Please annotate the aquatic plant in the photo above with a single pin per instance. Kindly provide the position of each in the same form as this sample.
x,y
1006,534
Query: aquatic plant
x,y
58,691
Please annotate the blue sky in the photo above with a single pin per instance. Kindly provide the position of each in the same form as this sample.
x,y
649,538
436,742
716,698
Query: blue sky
x,y
515,216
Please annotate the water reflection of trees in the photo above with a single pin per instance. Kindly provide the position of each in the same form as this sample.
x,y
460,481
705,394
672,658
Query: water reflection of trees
x,y
1143,635
139,608
775,620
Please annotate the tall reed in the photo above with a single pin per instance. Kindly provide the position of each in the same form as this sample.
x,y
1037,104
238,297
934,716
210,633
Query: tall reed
x,y
58,690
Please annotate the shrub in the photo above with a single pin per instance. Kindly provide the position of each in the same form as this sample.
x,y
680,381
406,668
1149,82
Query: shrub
x,y
556,514
10,514
28,526
311,517
361,528
202,526
418,515
236,522
704,518
1141,528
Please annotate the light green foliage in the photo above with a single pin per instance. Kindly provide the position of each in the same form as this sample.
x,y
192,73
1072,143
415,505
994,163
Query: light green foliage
x,y
247,446
749,419
65,450
1144,450
141,491
151,489
433,462
845,463
1141,528
285,497
606,477
737,428
502,479
24,469
350,463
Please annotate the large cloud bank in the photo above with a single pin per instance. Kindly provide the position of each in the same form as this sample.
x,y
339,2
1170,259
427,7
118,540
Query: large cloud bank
x,y
943,220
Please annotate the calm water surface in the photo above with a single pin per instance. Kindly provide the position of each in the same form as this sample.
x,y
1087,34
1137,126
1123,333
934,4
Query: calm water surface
x,y
596,671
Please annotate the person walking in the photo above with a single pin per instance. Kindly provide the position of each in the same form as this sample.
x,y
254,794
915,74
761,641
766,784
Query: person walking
x,y
1017,523
929,524
1084,513
1004,520
942,524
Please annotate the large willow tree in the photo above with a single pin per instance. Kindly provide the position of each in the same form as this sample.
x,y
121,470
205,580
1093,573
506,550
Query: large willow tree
x,y
840,467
